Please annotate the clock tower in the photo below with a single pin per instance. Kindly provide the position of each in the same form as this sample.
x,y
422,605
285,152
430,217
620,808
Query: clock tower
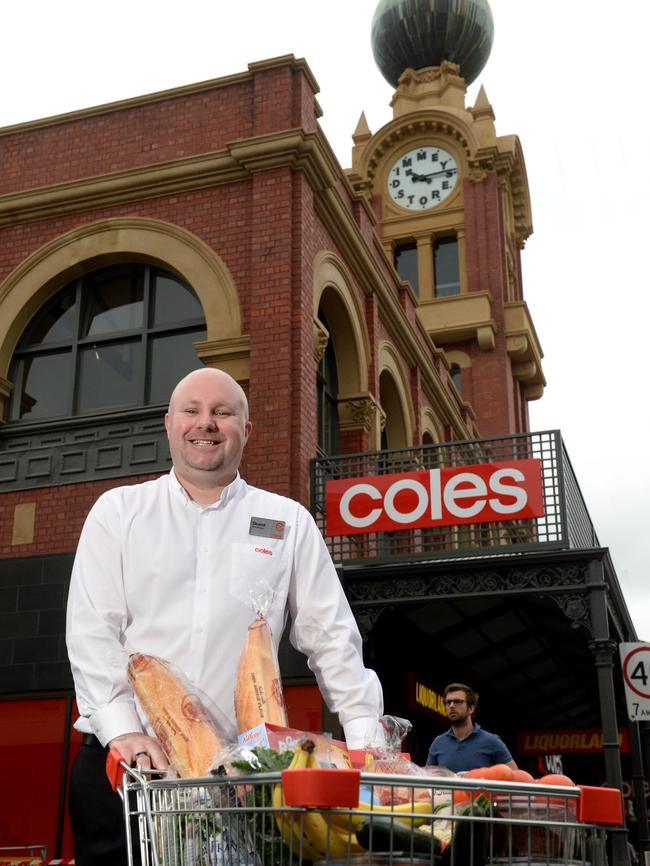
x,y
452,201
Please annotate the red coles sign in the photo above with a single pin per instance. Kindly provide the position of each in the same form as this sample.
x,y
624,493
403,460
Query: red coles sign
x,y
485,492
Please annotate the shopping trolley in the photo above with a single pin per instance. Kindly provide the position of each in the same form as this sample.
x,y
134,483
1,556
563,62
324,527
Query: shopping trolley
x,y
23,855
338,817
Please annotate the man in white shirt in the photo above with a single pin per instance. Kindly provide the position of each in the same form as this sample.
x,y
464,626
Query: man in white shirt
x,y
168,568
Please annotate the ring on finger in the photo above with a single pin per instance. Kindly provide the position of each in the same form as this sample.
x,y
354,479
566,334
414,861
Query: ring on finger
x,y
140,754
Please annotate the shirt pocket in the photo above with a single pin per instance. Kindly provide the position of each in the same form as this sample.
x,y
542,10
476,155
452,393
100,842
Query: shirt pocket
x,y
259,575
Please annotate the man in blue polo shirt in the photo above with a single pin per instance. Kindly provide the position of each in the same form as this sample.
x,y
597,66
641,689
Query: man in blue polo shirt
x,y
466,746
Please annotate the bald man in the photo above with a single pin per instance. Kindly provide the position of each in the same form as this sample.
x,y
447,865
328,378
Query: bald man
x,y
166,568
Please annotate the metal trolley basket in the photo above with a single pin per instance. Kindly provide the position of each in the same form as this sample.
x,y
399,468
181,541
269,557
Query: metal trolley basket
x,y
348,818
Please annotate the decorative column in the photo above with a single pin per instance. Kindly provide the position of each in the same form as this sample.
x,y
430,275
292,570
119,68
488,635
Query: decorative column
x,y
426,289
603,649
603,652
362,413
638,787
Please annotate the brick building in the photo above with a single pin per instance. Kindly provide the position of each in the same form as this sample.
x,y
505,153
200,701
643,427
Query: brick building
x,y
212,224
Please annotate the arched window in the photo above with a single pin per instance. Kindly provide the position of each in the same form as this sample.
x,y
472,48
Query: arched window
x,y
114,339
327,386
394,433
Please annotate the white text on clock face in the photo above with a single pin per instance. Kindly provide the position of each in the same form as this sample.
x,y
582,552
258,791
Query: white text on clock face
x,y
422,178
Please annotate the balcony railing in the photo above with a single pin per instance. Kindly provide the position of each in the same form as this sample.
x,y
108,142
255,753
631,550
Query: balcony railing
x,y
565,523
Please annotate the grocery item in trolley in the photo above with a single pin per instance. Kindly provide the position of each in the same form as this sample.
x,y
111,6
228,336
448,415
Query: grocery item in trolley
x,y
384,755
328,751
177,715
258,687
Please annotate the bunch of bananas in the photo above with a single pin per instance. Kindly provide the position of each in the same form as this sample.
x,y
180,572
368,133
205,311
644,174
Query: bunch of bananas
x,y
309,834
332,835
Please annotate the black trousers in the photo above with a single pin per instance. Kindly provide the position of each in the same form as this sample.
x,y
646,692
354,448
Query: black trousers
x,y
97,812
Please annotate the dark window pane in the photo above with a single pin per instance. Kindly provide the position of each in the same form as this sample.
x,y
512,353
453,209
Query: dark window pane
x,y
171,357
42,387
406,265
454,372
100,319
174,301
55,323
445,263
115,300
327,386
109,376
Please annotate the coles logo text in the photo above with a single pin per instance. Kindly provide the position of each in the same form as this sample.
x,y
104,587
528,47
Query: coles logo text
x,y
484,492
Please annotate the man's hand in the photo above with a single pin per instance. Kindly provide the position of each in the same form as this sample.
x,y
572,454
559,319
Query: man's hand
x,y
138,748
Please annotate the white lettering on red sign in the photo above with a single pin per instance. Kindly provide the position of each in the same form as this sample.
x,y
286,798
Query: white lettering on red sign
x,y
485,492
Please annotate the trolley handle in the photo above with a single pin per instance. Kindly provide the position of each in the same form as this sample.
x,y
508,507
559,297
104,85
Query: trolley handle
x,y
116,766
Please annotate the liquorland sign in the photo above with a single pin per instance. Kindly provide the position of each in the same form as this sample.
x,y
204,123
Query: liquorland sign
x,y
480,493
575,740
424,697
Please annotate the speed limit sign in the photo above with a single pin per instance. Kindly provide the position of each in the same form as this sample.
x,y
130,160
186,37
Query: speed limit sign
x,y
635,665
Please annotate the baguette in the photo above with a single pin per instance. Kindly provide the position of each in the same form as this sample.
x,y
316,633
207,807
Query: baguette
x,y
258,688
178,718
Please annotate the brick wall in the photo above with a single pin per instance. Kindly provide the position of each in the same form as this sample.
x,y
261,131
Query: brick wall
x,y
59,513
495,395
140,132
33,595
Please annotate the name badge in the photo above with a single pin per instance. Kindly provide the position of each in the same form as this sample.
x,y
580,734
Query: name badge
x,y
264,527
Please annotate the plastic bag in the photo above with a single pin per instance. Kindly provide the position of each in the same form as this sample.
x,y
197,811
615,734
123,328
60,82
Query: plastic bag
x,y
258,688
387,757
385,739
189,728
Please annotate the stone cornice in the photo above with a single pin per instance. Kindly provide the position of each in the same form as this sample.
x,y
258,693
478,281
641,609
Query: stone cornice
x,y
237,162
230,354
467,316
524,349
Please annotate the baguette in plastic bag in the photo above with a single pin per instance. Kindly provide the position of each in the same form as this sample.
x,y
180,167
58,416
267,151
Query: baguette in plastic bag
x,y
177,715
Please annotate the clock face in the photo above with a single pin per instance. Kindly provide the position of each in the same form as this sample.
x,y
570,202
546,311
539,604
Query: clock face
x,y
422,178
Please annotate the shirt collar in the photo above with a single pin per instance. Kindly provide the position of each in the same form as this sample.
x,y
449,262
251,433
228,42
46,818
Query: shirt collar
x,y
228,492
450,733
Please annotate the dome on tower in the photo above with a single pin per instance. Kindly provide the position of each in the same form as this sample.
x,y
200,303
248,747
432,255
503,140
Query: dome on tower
x,y
418,33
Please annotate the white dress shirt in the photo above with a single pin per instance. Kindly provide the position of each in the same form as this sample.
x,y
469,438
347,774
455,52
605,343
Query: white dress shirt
x,y
156,573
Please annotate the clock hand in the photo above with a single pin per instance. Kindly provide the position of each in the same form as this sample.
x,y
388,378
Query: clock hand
x,y
447,171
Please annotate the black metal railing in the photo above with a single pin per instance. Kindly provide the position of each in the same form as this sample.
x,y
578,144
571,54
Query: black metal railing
x,y
565,523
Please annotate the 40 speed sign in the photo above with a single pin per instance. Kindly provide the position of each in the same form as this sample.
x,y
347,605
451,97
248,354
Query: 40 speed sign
x,y
635,664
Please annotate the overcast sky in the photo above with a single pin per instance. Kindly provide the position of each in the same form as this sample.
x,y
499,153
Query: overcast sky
x,y
566,76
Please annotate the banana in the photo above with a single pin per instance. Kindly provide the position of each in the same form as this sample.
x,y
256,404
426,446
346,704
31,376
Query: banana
x,y
333,842
285,820
310,834
404,812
